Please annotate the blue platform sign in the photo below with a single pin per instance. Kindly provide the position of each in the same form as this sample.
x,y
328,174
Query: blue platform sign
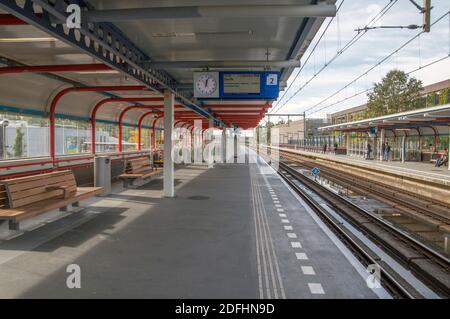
x,y
315,171
249,85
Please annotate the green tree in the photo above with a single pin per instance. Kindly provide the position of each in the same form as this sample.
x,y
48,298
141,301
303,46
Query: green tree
x,y
18,143
431,99
397,92
443,97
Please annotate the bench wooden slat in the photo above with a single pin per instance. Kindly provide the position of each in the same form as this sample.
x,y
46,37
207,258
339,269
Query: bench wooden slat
x,y
38,190
24,192
17,187
33,195
139,168
126,175
135,164
24,212
32,177
42,196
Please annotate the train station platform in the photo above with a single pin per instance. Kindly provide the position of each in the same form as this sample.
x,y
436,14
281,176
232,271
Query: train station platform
x,y
417,170
232,231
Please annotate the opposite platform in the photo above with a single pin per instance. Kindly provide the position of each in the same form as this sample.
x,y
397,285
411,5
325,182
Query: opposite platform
x,y
416,170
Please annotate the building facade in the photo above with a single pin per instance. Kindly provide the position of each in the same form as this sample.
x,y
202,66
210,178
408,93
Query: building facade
x,y
295,131
432,95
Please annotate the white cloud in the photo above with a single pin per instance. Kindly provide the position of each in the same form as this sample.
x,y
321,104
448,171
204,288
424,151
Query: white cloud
x,y
369,50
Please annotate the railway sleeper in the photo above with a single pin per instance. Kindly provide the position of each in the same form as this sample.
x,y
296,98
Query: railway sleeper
x,y
431,221
373,177
401,250
405,253
405,197
435,274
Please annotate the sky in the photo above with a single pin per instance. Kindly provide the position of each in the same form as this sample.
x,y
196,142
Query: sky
x,y
371,48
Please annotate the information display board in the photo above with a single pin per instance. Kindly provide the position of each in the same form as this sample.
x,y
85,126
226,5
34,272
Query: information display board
x,y
249,85
238,83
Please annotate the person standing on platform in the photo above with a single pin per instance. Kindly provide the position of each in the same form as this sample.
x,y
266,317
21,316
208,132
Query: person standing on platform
x,y
324,148
335,148
368,151
387,150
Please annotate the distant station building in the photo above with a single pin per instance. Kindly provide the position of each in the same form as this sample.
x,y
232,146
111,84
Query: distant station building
x,y
432,95
291,132
420,135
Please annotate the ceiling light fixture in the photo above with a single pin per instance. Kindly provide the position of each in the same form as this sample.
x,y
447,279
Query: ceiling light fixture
x,y
193,34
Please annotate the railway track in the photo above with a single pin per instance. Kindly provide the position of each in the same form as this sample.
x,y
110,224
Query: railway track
x,y
410,204
425,219
428,265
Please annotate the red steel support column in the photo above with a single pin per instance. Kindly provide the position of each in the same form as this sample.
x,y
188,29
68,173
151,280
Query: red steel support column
x,y
122,114
112,100
155,121
58,97
141,119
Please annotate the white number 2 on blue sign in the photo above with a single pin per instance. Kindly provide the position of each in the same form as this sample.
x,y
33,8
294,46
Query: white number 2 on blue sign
x,y
272,79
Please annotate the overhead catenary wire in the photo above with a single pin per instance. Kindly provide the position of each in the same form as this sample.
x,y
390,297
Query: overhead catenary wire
x,y
349,44
372,68
309,55
371,88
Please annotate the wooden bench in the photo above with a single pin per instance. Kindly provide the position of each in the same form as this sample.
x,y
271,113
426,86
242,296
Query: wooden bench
x,y
138,169
25,197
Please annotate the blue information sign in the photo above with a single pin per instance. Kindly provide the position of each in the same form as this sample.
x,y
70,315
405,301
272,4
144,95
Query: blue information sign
x,y
315,171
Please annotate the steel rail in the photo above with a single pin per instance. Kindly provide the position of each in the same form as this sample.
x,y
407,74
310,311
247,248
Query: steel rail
x,y
433,257
337,176
389,281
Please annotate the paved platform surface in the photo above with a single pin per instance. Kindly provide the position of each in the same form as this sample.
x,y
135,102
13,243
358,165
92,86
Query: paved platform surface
x,y
233,231
421,170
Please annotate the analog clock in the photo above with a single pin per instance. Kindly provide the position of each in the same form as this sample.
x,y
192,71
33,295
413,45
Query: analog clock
x,y
206,84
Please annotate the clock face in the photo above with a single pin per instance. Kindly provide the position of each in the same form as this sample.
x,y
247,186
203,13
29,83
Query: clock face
x,y
206,84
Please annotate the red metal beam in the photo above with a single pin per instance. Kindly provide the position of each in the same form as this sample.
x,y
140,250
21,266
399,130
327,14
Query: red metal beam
x,y
141,119
115,100
9,19
63,92
241,117
210,106
54,68
255,112
131,107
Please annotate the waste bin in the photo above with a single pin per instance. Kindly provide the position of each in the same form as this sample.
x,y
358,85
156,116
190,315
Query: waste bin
x,y
102,174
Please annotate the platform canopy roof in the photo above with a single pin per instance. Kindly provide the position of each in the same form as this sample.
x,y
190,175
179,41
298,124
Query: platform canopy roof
x,y
157,44
434,118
